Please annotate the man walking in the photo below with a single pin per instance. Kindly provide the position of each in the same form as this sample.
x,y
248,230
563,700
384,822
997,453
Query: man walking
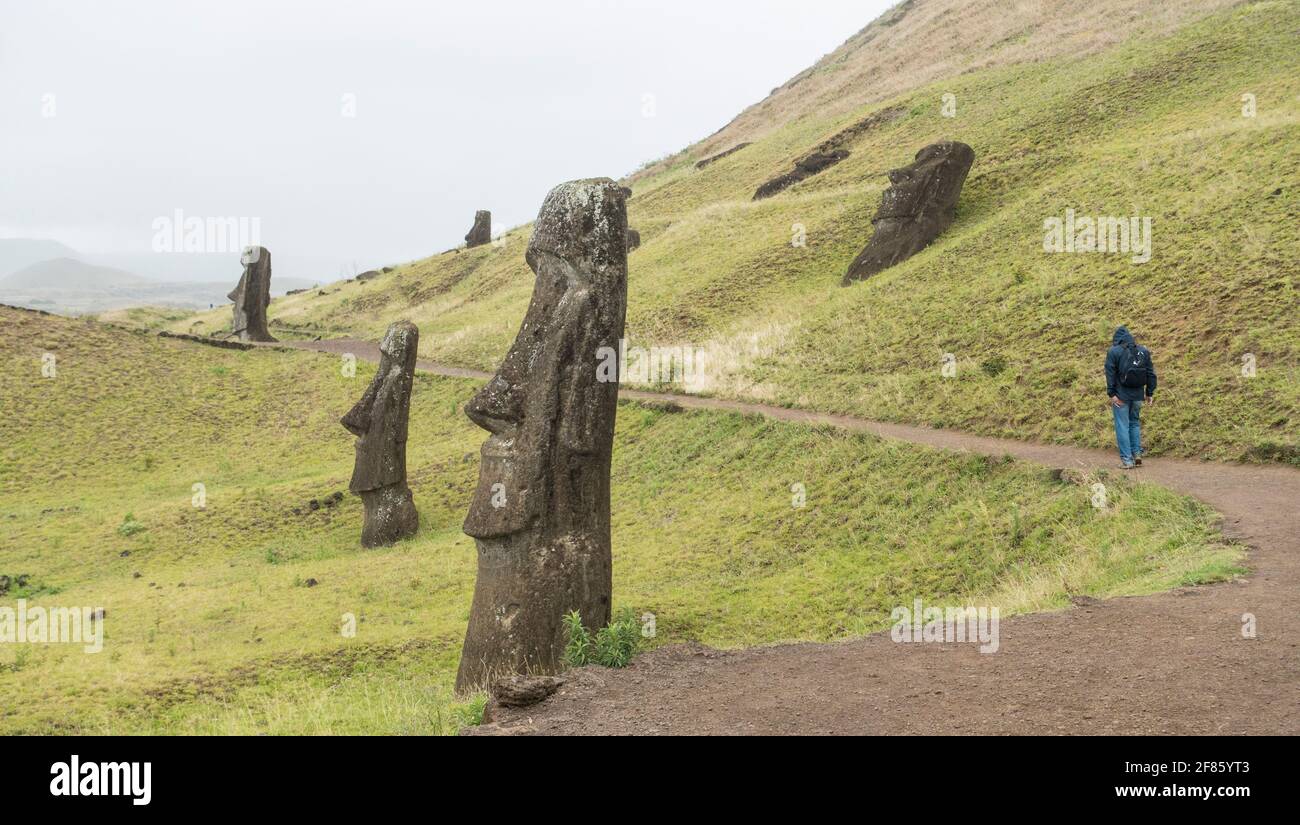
x,y
1130,382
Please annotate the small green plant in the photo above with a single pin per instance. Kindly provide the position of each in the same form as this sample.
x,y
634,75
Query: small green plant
x,y
129,526
21,657
577,651
994,366
470,714
614,645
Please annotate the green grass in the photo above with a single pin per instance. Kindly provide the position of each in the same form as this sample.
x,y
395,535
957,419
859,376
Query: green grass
x,y
220,633
1152,127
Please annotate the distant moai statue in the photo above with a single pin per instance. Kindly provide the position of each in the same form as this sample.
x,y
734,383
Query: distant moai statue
x,y
252,295
540,516
379,420
481,232
633,239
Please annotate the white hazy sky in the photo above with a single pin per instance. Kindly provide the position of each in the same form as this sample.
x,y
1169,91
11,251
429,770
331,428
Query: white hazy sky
x,y
235,108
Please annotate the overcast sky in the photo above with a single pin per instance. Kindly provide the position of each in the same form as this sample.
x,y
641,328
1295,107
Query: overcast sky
x,y
113,114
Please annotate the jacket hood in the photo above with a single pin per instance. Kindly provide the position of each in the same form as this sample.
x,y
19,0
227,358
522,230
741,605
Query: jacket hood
x,y
1122,338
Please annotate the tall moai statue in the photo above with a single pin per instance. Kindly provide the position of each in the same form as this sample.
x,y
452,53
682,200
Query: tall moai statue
x,y
540,515
481,232
252,296
919,205
379,420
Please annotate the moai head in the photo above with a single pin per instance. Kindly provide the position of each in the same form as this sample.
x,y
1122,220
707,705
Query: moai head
x,y
930,183
252,295
481,232
920,203
380,418
541,514
544,408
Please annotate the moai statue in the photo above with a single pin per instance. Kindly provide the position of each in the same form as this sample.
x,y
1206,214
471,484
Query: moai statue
x,y
540,515
481,232
919,205
379,420
252,295
633,239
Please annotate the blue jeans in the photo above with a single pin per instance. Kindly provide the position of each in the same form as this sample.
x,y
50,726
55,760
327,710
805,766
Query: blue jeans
x,y
1128,430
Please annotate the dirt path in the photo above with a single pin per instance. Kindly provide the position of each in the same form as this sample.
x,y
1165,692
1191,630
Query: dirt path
x,y
1171,663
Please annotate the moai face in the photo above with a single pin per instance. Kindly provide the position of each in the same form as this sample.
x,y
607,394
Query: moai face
x,y
380,419
541,514
252,295
543,406
919,205
927,182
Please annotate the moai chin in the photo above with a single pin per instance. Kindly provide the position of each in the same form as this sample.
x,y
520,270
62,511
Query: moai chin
x,y
481,232
252,296
379,420
540,515
920,203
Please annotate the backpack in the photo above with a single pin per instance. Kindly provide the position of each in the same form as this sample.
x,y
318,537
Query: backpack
x,y
1134,366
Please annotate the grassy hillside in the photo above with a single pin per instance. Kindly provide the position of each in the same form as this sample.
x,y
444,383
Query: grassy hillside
x,y
213,622
1115,120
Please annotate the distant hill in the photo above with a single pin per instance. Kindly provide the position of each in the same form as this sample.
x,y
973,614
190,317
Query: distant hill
x,y
18,253
70,286
69,273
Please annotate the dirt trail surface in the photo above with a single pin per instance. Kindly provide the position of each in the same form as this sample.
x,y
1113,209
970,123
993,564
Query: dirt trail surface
x,y
1172,663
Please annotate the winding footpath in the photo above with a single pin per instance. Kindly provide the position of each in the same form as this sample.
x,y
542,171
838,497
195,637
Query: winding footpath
x,y
1171,663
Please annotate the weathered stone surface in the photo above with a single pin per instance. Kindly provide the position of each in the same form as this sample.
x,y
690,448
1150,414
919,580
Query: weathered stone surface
x,y
919,205
805,167
379,420
519,691
252,296
633,239
481,232
540,515
719,156
829,152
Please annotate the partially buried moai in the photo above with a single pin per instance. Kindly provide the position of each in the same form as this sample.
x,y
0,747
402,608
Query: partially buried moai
x,y
540,515
481,232
252,296
379,420
920,203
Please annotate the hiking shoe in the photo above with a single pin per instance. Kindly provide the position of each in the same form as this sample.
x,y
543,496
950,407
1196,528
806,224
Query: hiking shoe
x,y
1137,461
1127,465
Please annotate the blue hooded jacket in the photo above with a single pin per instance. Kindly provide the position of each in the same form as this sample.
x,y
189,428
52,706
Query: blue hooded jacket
x,y
1114,359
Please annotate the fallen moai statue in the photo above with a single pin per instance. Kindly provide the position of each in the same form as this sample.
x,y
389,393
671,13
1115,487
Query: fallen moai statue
x,y
920,203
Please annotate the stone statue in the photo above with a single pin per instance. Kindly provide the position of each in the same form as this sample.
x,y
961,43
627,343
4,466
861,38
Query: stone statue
x,y
920,203
379,420
540,515
633,239
481,232
252,296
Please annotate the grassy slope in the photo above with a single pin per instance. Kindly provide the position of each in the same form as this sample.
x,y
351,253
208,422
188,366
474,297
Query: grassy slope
x,y
1152,127
220,634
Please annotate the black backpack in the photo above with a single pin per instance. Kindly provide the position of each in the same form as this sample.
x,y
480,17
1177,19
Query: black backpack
x,y
1134,366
